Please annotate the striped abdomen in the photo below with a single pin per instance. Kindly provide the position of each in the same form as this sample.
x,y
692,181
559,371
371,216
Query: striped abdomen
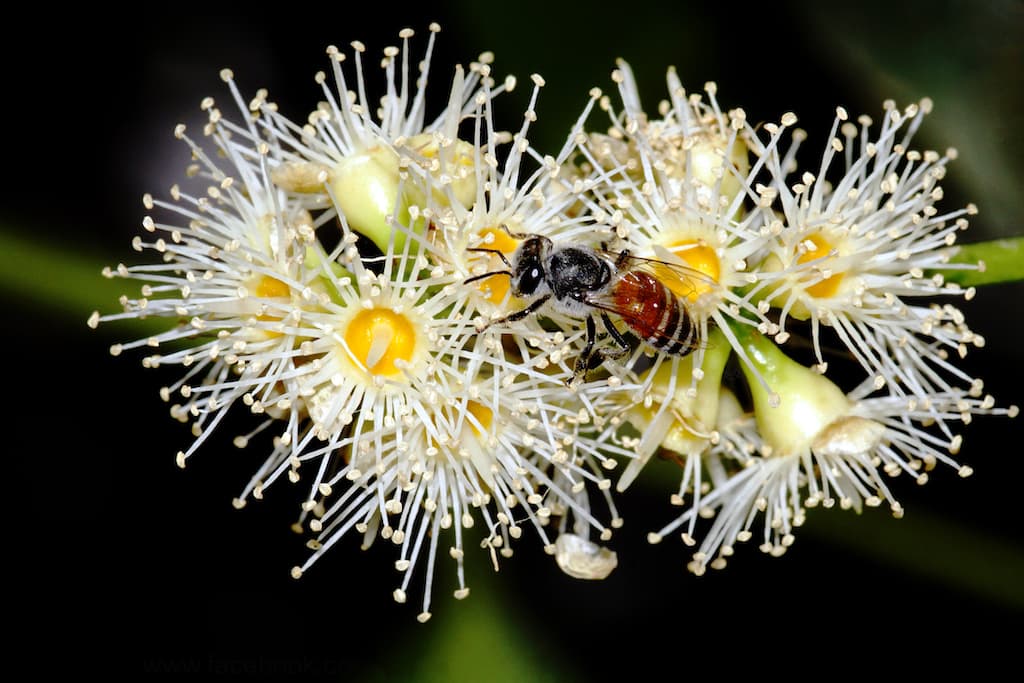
x,y
654,313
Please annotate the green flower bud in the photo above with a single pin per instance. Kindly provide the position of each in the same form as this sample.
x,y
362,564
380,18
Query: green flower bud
x,y
801,404
364,188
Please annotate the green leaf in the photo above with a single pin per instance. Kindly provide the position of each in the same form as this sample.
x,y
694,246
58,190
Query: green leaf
x,y
480,638
933,546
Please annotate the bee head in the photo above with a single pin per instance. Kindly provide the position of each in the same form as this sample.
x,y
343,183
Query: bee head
x,y
528,277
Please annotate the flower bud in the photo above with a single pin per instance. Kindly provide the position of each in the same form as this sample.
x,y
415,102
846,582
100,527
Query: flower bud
x,y
800,404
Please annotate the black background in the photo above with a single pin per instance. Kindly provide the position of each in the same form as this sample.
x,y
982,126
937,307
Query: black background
x,y
123,561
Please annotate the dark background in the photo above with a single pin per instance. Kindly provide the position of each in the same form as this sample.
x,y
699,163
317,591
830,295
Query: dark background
x,y
123,561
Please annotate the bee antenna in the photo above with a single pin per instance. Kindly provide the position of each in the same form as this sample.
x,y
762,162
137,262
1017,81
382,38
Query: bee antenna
x,y
496,252
484,275
515,235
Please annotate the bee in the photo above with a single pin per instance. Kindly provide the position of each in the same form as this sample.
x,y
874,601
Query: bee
x,y
590,283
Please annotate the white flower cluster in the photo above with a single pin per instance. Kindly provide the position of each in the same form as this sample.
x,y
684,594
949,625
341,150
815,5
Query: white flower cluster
x,y
443,327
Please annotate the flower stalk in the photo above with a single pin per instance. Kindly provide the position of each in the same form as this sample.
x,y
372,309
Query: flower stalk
x,y
1003,261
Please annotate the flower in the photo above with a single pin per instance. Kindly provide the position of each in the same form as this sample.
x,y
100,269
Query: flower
x,y
414,395
388,407
360,154
422,426
691,139
479,237
687,188
678,189
232,276
815,446
670,417
860,254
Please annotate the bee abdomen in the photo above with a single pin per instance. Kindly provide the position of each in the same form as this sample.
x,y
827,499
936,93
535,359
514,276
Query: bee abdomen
x,y
678,334
655,313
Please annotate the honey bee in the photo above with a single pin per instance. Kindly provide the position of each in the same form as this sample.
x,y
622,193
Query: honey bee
x,y
586,282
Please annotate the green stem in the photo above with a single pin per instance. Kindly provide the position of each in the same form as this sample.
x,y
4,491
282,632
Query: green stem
x,y
1003,261
60,280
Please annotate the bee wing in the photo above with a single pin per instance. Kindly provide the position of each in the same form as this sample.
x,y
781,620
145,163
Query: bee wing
x,y
633,301
607,301
669,269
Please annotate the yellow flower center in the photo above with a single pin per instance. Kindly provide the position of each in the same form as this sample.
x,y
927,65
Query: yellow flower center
x,y
483,414
830,285
700,257
495,288
378,337
269,287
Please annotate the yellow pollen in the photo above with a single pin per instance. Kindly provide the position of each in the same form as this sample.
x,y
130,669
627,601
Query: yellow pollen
x,y
700,257
269,287
499,284
482,413
378,337
830,285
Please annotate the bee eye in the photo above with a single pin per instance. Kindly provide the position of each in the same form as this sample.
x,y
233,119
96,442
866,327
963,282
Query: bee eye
x,y
530,280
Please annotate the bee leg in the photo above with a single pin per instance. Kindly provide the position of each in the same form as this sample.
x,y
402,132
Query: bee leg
x,y
584,361
616,335
590,357
518,315
621,257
